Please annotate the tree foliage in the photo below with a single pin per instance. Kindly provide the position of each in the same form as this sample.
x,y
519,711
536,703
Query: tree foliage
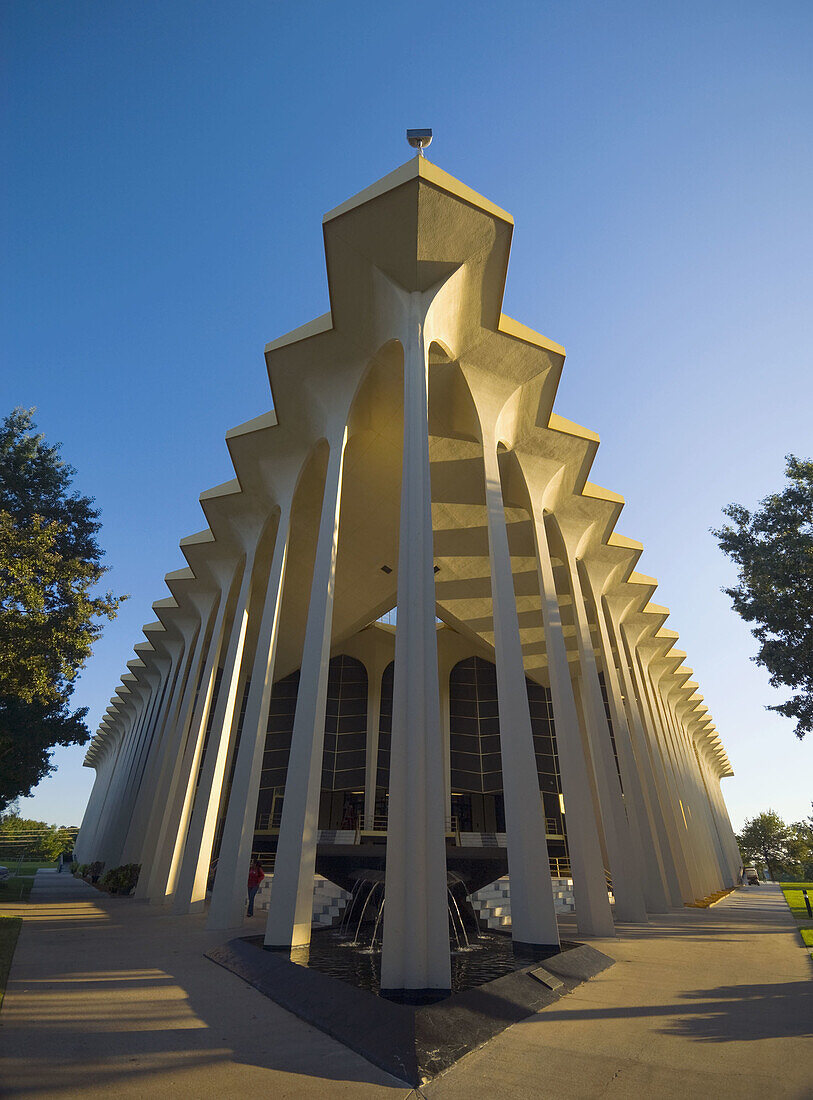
x,y
773,550
22,837
50,612
785,850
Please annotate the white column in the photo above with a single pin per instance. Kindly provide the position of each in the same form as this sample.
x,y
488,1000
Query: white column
x,y
190,891
229,892
95,836
174,648
195,696
642,755
593,912
111,802
291,905
669,793
131,838
704,805
110,837
533,915
629,898
640,832
84,841
415,950
223,571
193,630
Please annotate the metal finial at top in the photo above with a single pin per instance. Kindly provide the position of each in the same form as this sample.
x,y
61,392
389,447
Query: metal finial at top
x,y
419,139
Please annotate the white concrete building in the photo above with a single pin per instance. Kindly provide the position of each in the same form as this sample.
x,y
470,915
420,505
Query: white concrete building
x,y
527,712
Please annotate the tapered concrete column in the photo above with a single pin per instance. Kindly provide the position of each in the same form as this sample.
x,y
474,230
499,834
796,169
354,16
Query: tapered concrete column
x,y
665,773
193,631
174,648
629,898
229,892
415,950
223,571
533,916
95,835
374,674
640,831
111,803
190,892
704,805
699,837
84,841
658,670
666,802
117,807
291,906
196,696
643,758
593,912
135,822
717,859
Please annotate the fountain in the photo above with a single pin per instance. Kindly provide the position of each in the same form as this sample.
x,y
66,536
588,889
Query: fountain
x,y
493,983
351,949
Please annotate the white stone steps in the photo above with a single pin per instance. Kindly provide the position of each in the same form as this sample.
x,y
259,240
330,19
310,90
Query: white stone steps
x,y
329,900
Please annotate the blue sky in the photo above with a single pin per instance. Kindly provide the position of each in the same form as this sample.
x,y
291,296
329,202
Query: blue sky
x,y
167,167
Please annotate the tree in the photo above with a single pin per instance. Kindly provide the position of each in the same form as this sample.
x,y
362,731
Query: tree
x,y
50,613
23,838
773,550
784,849
802,847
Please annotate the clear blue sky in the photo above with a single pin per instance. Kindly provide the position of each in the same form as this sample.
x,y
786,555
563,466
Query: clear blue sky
x,y
166,169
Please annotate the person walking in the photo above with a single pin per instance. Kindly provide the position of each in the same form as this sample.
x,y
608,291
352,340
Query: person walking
x,y
255,877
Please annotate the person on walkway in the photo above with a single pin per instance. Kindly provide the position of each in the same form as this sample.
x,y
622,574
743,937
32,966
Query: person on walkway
x,y
255,877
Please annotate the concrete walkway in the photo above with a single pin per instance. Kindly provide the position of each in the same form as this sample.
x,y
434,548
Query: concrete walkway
x,y
111,995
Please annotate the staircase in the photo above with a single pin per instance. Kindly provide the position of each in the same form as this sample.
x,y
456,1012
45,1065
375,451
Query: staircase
x,y
493,902
329,900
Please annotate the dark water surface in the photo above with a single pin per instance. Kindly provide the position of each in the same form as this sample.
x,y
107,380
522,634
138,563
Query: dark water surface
x,y
488,957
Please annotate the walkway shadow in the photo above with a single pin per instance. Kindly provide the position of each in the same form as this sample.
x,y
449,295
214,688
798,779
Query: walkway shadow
x,y
732,1013
129,1001
737,1012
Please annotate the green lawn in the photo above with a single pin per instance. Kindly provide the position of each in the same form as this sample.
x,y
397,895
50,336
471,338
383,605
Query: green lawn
x,y
796,904
9,931
18,886
793,896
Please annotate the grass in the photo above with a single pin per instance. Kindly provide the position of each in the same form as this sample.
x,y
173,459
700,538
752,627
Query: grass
x,y
17,887
796,904
9,931
793,896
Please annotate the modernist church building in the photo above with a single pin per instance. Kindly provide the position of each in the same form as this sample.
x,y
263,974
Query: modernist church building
x,y
409,640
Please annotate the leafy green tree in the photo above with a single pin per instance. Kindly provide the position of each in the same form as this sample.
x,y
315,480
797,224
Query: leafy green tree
x,y
33,840
773,550
766,839
50,612
802,847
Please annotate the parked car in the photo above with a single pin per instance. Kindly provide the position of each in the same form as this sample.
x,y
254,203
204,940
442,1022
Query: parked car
x,y
751,876
4,873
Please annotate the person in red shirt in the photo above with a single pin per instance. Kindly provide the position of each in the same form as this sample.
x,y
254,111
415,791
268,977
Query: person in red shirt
x,y
255,877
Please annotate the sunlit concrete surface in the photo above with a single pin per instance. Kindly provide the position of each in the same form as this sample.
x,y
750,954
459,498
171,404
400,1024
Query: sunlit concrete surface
x,y
700,1002
704,1002
99,1002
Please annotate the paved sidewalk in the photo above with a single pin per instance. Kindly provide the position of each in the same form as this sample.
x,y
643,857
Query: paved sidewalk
x,y
112,995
